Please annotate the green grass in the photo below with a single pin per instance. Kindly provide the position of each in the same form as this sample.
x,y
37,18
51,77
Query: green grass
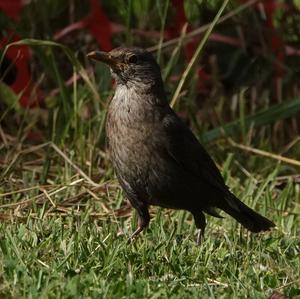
x,y
79,250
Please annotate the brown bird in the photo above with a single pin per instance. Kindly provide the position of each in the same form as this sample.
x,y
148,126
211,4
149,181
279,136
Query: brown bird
x,y
157,159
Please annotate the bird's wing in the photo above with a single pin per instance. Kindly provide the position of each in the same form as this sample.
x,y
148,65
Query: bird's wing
x,y
183,147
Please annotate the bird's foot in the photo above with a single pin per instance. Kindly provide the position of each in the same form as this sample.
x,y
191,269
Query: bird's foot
x,y
135,233
143,221
199,237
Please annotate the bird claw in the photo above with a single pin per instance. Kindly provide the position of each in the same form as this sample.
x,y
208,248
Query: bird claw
x,y
134,235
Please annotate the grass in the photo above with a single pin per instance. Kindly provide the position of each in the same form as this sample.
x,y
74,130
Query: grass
x,y
64,224
65,241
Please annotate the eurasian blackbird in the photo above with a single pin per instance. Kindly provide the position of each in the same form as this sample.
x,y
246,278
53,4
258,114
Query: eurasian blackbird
x,y
157,159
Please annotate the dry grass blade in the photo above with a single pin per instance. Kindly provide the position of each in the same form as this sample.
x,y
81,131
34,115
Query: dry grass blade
x,y
20,203
49,197
22,152
64,156
25,190
59,151
264,153
215,282
3,137
106,209
38,197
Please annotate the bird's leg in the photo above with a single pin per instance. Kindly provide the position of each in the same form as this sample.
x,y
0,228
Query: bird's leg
x,y
143,220
200,236
200,224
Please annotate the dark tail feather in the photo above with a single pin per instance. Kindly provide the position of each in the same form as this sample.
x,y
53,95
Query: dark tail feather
x,y
246,216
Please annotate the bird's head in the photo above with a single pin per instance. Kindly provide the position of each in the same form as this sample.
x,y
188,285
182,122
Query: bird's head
x,y
130,65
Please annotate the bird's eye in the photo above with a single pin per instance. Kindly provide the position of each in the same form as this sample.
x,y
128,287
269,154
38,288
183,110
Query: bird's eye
x,y
133,59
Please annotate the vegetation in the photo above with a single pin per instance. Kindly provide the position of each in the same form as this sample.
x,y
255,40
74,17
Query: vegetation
x,y
64,222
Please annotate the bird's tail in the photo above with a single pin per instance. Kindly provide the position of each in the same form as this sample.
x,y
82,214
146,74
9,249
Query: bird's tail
x,y
246,216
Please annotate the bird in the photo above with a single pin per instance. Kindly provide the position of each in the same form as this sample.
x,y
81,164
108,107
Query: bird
x,y
157,159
